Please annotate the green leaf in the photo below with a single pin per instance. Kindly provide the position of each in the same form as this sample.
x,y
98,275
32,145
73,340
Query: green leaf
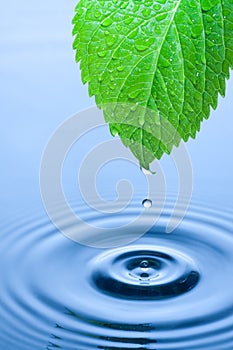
x,y
155,67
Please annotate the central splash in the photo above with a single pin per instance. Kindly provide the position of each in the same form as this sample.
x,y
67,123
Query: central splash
x,y
143,272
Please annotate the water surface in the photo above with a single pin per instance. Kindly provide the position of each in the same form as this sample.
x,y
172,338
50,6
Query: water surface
x,y
163,291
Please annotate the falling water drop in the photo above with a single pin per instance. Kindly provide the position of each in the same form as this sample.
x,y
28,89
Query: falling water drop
x,y
147,203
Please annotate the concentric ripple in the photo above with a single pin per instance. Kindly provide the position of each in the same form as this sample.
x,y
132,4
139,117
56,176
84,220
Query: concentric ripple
x,y
160,292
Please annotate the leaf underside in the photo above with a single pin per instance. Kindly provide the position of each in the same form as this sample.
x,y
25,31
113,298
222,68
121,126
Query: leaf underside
x,y
166,59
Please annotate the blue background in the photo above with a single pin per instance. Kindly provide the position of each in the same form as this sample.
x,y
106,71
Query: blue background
x,y
41,87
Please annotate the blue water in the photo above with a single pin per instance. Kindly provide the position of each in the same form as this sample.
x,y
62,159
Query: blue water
x,y
163,291
159,292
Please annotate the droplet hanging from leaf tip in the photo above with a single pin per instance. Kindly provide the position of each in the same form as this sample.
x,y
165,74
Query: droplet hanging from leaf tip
x,y
147,171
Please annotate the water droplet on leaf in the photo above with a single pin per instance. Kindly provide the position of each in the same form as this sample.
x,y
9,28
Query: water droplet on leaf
x,y
128,19
97,14
134,94
110,40
120,68
157,7
124,5
102,53
107,22
143,44
146,12
160,16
